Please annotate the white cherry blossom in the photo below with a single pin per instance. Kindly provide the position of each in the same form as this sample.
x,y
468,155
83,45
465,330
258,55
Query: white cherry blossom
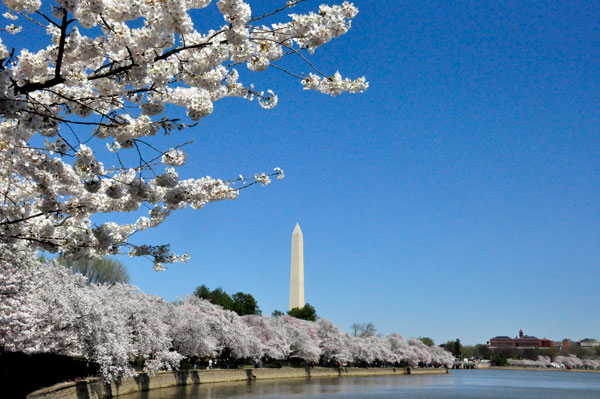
x,y
46,308
118,83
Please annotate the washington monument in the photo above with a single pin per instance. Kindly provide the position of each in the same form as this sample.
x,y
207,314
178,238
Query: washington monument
x,y
297,270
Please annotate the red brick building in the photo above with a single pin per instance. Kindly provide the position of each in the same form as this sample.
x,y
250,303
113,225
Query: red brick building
x,y
522,341
502,340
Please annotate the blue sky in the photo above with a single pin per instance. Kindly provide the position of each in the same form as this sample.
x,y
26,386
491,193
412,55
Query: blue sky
x,y
457,198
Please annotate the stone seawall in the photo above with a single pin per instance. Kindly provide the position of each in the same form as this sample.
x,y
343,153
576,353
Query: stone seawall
x,y
94,388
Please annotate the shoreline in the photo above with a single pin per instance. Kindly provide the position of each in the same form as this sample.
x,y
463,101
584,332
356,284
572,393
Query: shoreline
x,y
520,368
96,388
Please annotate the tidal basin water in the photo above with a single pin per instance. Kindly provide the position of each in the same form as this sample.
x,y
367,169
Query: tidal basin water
x,y
481,384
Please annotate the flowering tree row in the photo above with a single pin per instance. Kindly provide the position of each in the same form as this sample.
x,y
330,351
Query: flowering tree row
x,y
570,362
46,308
79,108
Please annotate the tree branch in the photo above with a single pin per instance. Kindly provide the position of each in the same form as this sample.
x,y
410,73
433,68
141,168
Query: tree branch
x,y
57,79
26,218
288,5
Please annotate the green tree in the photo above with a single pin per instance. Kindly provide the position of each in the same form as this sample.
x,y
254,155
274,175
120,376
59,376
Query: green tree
x,y
217,296
468,351
98,271
550,352
240,302
530,353
454,347
244,304
308,312
427,341
449,346
277,313
483,351
578,351
203,292
457,348
508,352
498,359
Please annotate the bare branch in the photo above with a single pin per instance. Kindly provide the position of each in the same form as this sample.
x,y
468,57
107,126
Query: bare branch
x,y
286,71
288,5
47,19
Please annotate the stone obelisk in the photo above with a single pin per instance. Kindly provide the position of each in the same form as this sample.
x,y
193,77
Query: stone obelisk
x,y
297,270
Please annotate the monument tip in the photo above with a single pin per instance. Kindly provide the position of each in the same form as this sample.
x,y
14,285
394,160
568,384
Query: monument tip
x,y
297,229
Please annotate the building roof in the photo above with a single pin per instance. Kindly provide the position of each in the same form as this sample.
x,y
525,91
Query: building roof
x,y
502,337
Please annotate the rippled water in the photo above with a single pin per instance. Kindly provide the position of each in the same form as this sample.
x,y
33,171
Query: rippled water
x,y
481,384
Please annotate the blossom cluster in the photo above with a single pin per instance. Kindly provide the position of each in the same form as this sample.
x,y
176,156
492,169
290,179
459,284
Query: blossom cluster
x,y
112,70
46,308
334,85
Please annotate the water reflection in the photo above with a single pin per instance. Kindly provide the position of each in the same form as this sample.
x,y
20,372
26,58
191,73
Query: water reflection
x,y
481,384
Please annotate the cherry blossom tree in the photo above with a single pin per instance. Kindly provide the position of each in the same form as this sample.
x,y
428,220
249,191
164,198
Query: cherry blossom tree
x,y
542,361
333,343
238,338
272,334
570,361
200,328
441,356
190,329
303,338
58,312
108,76
420,349
17,280
591,363
47,308
145,320
361,351
401,350
382,349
